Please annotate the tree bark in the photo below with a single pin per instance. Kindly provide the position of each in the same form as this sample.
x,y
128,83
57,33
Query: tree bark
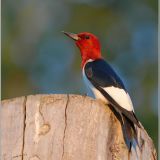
x,y
65,127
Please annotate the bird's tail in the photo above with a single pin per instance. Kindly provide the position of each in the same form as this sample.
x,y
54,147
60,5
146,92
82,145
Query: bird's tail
x,y
130,132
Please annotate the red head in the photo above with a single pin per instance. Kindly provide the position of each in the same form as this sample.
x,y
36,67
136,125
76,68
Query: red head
x,y
88,44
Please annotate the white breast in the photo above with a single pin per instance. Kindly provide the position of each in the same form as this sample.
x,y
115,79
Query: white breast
x,y
92,91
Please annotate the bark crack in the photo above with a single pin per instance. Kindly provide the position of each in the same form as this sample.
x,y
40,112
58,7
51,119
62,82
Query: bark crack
x,y
24,127
65,114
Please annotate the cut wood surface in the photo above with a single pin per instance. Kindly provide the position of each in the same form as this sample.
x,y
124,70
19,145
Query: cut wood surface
x,y
65,127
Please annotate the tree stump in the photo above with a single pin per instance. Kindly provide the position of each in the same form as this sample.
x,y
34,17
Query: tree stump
x,y
65,127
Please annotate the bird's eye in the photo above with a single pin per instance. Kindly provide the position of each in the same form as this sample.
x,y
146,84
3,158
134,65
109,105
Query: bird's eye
x,y
87,37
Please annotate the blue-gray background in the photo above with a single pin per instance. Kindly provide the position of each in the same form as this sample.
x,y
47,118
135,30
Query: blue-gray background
x,y
38,58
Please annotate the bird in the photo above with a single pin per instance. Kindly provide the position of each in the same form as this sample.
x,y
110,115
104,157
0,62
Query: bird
x,y
105,84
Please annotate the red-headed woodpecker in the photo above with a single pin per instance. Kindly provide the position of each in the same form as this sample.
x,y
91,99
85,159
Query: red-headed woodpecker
x,y
104,83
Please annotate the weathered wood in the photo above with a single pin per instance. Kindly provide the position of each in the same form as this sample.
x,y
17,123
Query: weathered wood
x,y
65,127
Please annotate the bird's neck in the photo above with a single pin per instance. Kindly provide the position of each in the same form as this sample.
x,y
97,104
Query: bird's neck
x,y
89,56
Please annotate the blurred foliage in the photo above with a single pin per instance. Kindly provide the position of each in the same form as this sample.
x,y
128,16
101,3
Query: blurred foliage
x,y
38,58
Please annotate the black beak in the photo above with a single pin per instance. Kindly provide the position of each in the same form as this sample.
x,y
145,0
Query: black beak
x,y
72,35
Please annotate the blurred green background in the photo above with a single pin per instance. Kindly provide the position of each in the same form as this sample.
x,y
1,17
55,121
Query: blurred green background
x,y
38,58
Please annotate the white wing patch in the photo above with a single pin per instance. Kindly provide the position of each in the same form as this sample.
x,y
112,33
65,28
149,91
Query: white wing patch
x,y
120,96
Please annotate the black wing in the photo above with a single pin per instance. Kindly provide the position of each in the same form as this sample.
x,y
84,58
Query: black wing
x,y
101,75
